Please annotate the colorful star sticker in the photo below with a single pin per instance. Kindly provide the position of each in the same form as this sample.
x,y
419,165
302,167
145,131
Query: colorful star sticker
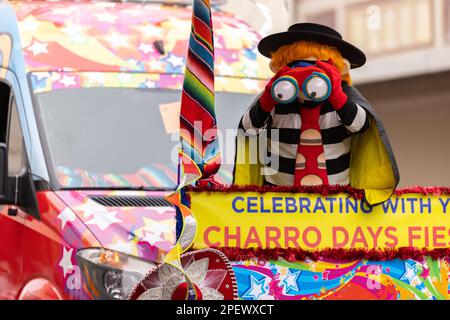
x,y
410,272
90,207
158,226
425,273
66,261
38,47
104,219
65,216
175,61
67,81
256,289
151,237
290,282
146,48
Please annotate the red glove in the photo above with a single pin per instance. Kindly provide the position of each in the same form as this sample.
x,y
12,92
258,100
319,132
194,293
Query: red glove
x,y
267,102
337,98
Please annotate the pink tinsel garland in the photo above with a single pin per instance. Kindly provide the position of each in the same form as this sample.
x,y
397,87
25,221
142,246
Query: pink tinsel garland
x,y
297,254
322,190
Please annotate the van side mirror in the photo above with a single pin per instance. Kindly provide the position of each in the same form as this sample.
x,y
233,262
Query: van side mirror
x,y
18,190
3,173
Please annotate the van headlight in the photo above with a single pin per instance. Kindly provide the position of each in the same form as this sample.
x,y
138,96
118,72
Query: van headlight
x,y
111,274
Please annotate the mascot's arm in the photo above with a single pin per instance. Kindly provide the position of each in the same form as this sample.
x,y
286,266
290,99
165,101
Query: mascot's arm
x,y
353,115
255,117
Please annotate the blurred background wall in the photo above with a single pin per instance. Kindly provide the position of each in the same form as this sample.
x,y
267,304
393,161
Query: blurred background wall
x,y
406,78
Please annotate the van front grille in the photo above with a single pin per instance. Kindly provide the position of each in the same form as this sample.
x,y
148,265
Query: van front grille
x,y
131,201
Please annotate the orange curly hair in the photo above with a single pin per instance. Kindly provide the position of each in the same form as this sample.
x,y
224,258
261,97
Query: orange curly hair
x,y
306,49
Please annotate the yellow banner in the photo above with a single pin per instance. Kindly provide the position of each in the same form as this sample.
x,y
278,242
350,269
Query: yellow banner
x,y
277,220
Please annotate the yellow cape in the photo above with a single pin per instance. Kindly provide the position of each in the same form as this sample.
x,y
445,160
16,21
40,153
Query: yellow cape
x,y
372,166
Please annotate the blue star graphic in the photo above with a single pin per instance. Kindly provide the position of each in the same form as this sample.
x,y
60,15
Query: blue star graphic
x,y
410,272
290,282
256,289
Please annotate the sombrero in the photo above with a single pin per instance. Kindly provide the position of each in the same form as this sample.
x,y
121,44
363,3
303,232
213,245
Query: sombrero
x,y
312,32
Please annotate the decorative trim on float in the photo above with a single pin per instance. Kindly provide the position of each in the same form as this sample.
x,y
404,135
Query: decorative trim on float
x,y
297,254
322,190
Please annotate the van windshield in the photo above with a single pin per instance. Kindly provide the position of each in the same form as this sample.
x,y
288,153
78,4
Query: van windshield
x,y
122,137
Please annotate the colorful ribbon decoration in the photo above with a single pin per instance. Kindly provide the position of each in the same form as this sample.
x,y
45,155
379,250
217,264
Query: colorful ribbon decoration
x,y
199,155
198,126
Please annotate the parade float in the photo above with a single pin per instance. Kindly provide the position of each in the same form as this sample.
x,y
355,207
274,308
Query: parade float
x,y
309,242
81,232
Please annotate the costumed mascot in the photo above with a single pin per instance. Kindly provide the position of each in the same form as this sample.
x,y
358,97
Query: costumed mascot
x,y
320,130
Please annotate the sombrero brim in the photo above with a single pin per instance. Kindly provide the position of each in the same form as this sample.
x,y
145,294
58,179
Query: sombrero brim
x,y
271,43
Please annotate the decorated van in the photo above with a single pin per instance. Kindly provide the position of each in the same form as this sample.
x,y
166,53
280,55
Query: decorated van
x,y
90,96
90,174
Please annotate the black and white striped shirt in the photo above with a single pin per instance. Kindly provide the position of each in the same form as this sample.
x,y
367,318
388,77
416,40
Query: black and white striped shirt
x,y
337,127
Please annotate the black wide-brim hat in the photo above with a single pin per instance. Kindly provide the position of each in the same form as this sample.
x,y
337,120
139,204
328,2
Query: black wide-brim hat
x,y
312,32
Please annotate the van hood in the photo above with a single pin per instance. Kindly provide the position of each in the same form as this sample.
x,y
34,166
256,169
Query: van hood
x,y
139,223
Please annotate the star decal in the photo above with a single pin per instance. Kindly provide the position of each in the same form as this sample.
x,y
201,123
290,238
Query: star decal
x,y
410,272
104,219
290,282
256,289
425,273
146,48
38,47
175,61
159,226
65,216
66,261
90,207
151,237
325,274
67,81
